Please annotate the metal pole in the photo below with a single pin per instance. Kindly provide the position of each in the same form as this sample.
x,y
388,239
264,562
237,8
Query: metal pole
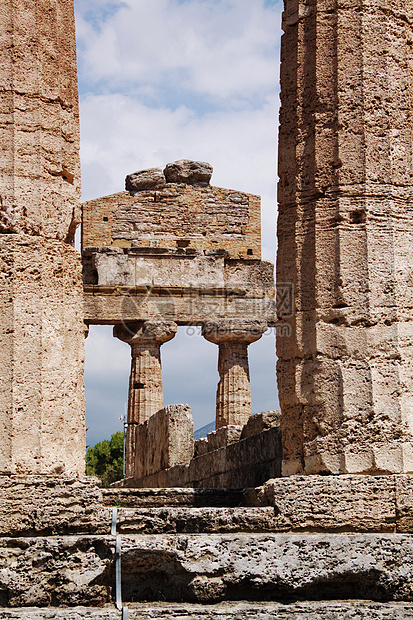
x,y
122,419
124,448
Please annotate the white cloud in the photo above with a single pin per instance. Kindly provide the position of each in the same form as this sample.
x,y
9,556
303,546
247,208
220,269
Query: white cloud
x,y
219,48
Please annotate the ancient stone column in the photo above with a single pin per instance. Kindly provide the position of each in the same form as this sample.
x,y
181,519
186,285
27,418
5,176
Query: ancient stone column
x,y
41,330
345,236
234,390
145,381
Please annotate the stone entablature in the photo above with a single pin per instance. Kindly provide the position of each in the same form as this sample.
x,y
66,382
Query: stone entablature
x,y
186,286
176,215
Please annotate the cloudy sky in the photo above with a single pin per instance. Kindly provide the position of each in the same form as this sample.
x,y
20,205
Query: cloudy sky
x,y
162,80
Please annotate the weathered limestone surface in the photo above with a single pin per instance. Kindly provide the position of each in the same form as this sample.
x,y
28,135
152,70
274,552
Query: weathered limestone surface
x,y
174,497
187,171
41,357
39,119
326,610
164,440
234,390
153,178
186,285
42,330
79,570
51,505
345,236
246,463
347,502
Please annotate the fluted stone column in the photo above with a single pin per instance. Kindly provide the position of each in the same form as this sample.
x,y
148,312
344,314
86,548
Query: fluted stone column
x,y
145,381
345,236
42,425
234,390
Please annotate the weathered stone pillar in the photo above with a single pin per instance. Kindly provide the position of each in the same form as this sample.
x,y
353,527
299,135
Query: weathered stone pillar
x,y
345,236
145,381
41,330
234,390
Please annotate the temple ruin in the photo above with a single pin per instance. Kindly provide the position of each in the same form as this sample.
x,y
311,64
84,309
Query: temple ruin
x,y
173,250
332,536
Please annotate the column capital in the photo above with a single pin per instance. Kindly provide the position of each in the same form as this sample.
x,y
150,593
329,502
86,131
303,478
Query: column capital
x,y
233,330
142,332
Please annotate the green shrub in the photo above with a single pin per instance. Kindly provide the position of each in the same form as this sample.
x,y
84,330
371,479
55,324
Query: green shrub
x,y
105,460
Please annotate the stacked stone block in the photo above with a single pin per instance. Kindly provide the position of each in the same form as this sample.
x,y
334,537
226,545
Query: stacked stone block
x,y
175,210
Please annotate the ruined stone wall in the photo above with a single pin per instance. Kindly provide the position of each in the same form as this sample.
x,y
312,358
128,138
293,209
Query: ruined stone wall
x,y
234,456
42,330
176,216
346,236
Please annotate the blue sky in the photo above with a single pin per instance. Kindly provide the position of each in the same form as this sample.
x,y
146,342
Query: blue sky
x,y
162,80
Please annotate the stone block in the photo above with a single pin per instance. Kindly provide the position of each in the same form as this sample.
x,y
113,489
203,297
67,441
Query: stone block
x,y
224,436
200,447
41,357
51,505
210,568
191,172
165,440
333,503
261,422
231,610
153,178
40,166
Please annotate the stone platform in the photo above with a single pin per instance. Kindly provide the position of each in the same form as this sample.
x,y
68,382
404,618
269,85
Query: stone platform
x,y
339,545
330,610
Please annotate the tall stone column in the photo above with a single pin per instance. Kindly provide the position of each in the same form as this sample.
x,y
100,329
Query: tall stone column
x,y
234,390
145,381
345,236
41,331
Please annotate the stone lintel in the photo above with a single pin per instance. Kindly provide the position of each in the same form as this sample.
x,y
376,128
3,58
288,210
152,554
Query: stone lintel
x,y
115,304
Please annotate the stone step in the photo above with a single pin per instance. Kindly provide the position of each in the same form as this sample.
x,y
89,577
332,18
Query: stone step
x,y
320,610
139,498
51,506
210,568
196,520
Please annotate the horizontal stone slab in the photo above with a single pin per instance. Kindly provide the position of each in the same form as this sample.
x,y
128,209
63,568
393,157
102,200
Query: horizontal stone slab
x,y
174,497
196,520
346,502
111,305
51,505
210,568
325,610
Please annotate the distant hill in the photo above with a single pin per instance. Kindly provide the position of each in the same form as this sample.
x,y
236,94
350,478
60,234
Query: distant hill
x,y
203,432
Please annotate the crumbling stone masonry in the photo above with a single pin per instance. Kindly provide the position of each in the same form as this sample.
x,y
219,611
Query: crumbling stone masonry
x,y
41,330
345,236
